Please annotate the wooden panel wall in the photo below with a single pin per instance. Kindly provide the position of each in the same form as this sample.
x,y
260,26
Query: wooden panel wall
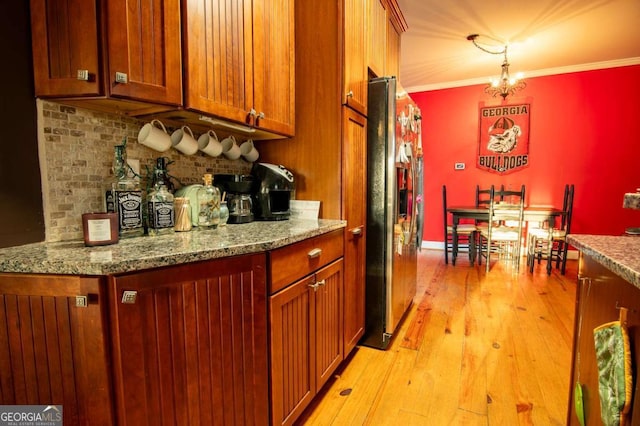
x,y
21,218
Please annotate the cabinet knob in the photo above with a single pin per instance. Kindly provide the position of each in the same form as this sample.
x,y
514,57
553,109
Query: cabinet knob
x,y
253,112
261,115
122,77
83,75
350,94
356,232
315,284
316,252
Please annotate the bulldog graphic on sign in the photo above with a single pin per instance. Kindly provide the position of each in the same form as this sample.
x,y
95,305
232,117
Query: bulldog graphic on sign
x,y
503,145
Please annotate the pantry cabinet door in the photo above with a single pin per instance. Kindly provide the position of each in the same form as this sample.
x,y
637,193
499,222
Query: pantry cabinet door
x,y
65,45
218,56
355,52
354,175
144,53
274,65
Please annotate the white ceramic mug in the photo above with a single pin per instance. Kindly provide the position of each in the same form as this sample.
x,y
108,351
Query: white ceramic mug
x,y
249,151
209,144
154,137
183,140
230,149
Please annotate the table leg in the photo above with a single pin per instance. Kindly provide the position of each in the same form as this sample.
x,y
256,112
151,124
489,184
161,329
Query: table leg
x,y
454,249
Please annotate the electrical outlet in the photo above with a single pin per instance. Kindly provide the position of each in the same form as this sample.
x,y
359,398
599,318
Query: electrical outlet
x,y
459,166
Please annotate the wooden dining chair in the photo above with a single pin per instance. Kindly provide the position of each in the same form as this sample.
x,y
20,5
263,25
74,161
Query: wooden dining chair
x,y
503,235
466,236
550,242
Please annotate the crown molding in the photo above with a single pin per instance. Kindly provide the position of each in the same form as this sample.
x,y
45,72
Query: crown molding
x,y
536,73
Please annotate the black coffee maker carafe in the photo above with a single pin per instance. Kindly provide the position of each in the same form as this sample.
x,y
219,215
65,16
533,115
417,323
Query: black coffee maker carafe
x,y
237,189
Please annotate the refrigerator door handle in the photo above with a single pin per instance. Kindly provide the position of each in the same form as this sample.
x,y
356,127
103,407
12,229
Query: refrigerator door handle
x,y
414,204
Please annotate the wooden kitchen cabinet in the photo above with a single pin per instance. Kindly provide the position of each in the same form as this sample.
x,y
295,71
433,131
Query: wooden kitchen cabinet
x,y
192,347
65,37
306,340
105,51
377,37
354,147
53,347
240,61
599,295
328,153
396,25
356,76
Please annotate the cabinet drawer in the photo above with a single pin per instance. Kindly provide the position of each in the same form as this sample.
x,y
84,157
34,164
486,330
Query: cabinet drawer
x,y
290,263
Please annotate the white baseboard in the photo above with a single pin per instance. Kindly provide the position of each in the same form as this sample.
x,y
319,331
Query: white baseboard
x,y
439,245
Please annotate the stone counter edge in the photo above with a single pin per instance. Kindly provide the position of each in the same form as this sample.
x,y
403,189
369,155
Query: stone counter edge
x,y
136,254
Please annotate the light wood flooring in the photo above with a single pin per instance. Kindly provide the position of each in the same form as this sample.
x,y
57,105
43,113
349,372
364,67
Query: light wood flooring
x,y
475,349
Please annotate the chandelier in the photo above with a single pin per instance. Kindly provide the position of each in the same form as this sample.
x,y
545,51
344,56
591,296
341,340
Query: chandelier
x,y
505,85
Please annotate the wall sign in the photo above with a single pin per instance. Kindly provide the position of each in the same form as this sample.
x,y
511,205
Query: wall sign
x,y
503,142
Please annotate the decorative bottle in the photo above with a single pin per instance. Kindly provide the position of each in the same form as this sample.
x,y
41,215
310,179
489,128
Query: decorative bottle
x,y
124,196
208,204
160,207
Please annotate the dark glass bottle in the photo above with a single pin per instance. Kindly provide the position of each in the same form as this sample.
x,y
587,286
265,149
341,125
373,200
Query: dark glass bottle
x,y
160,203
124,196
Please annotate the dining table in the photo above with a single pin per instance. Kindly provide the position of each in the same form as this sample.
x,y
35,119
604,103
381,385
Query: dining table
x,y
537,214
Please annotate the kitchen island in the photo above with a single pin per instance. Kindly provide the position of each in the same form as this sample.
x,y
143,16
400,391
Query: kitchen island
x,y
608,279
156,330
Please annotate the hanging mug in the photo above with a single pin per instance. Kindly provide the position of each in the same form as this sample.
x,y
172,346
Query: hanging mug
x,y
249,151
209,144
183,140
155,137
230,149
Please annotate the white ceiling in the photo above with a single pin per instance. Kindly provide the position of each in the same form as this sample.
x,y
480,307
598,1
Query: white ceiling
x,y
545,37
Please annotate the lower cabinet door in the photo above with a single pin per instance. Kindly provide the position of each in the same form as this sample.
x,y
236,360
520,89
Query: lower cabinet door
x,y
292,318
52,346
328,321
306,340
190,344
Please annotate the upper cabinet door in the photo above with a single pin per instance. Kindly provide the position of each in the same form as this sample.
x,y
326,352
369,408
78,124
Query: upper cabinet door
x,y
65,47
274,65
240,60
377,37
218,56
144,54
355,66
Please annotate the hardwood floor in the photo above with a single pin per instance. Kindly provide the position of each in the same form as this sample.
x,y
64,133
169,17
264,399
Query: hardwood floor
x,y
475,349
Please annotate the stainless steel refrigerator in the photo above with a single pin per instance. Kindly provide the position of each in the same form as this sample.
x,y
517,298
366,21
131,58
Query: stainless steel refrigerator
x,y
391,267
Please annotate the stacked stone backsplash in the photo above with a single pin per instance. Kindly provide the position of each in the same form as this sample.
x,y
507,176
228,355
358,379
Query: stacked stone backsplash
x,y
76,154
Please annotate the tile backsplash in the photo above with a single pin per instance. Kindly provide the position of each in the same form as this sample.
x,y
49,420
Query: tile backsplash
x,y
76,153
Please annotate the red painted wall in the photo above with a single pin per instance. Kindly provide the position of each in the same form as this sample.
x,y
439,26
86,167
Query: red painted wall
x,y
584,130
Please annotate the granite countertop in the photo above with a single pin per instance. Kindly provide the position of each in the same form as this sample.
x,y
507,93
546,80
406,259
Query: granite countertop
x,y
134,254
619,254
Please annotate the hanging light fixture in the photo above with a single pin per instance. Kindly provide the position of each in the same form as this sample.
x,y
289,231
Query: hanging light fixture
x,y
505,85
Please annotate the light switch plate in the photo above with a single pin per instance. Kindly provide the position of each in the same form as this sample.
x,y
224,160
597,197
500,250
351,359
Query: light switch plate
x,y
459,166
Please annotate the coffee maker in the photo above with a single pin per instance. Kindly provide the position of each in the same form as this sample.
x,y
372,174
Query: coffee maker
x,y
238,189
274,188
